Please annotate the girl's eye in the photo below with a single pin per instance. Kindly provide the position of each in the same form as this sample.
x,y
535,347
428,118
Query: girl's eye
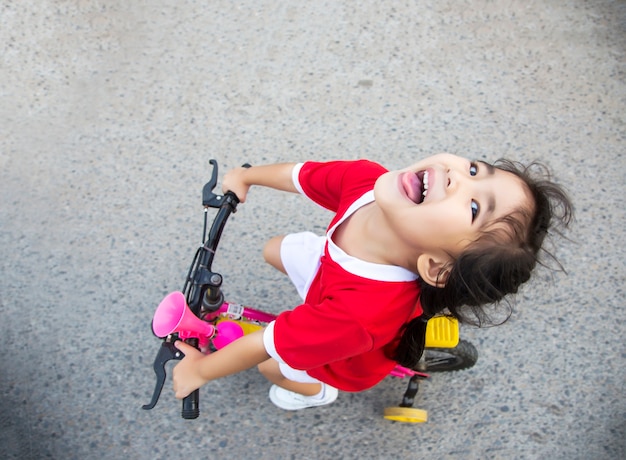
x,y
475,209
473,169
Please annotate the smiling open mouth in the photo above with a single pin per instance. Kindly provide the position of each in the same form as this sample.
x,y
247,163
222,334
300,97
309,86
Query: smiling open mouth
x,y
415,186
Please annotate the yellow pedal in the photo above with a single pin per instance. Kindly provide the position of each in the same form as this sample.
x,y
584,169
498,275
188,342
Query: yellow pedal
x,y
442,332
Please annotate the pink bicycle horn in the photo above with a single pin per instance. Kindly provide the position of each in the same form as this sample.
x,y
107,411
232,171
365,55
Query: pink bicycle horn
x,y
173,315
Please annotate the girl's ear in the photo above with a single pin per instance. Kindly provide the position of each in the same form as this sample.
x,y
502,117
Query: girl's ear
x,y
434,270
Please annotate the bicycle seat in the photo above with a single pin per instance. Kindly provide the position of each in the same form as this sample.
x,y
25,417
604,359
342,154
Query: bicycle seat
x,y
442,332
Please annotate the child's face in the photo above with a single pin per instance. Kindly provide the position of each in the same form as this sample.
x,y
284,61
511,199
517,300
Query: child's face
x,y
461,198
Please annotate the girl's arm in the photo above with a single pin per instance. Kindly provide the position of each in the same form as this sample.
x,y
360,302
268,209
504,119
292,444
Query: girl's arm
x,y
277,176
196,369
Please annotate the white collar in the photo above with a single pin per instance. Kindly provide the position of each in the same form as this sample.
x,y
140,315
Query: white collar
x,y
370,270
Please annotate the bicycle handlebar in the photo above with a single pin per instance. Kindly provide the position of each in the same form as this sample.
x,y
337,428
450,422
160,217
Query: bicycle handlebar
x,y
201,280
202,287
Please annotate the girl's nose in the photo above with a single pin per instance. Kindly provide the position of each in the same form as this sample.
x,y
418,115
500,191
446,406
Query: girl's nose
x,y
448,179
454,178
457,179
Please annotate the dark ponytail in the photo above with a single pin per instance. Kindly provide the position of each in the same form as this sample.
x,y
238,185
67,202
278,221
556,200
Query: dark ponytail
x,y
412,343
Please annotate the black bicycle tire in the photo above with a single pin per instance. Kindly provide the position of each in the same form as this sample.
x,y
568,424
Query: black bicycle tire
x,y
461,357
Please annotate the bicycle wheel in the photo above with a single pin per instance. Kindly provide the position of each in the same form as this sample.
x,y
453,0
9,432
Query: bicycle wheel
x,y
463,356
406,414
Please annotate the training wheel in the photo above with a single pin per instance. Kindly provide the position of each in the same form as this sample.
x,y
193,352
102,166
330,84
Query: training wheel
x,y
406,414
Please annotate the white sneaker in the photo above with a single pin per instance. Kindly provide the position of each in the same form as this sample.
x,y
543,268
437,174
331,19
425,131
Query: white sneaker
x,y
289,400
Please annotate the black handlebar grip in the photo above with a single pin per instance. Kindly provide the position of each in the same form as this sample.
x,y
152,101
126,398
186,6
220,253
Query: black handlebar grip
x,y
191,406
191,403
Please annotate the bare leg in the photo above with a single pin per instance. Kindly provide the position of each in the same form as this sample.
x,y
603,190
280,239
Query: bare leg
x,y
271,253
271,372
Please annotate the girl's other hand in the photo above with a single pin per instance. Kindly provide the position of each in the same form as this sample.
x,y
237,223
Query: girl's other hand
x,y
186,374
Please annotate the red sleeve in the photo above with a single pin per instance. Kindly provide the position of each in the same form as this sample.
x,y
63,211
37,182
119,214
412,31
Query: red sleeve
x,y
328,183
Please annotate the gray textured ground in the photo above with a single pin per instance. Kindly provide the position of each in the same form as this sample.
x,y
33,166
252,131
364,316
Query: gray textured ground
x,y
109,112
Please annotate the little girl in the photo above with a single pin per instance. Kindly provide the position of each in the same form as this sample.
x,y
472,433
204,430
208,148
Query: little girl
x,y
443,235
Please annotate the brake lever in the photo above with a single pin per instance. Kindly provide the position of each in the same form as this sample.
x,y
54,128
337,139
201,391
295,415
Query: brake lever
x,y
166,353
210,199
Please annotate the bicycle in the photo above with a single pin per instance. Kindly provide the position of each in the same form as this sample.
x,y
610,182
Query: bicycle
x,y
199,315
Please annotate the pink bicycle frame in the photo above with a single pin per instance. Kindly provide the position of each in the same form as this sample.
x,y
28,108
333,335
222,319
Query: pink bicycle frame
x,y
236,311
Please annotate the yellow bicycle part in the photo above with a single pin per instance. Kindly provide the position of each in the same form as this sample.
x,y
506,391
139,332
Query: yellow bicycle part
x,y
246,326
406,414
442,332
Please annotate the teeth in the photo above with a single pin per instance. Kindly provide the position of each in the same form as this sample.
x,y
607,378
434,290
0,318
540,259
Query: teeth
x,y
425,183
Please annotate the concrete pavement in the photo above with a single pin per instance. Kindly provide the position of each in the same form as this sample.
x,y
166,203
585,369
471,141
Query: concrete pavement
x,y
109,112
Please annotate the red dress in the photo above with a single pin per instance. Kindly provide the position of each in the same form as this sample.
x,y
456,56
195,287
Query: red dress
x,y
346,331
